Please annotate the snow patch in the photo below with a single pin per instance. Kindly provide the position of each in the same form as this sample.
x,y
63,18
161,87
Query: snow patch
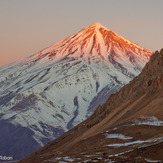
x,y
136,142
118,154
150,121
149,160
117,136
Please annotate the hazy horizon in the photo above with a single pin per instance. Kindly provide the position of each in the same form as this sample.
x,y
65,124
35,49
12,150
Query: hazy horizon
x,y
30,26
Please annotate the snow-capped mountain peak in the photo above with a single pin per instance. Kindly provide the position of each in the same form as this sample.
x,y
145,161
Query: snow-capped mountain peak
x,y
95,42
96,26
50,92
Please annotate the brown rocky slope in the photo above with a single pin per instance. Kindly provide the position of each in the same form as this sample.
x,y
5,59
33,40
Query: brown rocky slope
x,y
127,128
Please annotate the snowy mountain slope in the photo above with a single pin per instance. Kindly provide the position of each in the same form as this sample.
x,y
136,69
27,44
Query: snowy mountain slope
x,y
54,90
127,128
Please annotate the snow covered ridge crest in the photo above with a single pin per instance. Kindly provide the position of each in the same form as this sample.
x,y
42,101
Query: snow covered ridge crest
x,y
59,87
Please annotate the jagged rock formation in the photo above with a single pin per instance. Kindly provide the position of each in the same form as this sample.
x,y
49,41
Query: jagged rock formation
x,y
127,128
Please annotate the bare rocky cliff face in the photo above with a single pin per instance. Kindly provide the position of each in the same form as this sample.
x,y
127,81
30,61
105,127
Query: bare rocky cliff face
x,y
127,128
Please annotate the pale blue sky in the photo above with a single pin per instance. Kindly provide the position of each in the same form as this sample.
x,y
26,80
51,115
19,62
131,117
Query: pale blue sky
x,y
28,26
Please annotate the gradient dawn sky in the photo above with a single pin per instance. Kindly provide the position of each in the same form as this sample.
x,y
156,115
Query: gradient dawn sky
x,y
28,26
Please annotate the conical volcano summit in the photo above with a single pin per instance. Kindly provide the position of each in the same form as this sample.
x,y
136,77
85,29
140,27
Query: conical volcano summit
x,y
96,42
48,93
